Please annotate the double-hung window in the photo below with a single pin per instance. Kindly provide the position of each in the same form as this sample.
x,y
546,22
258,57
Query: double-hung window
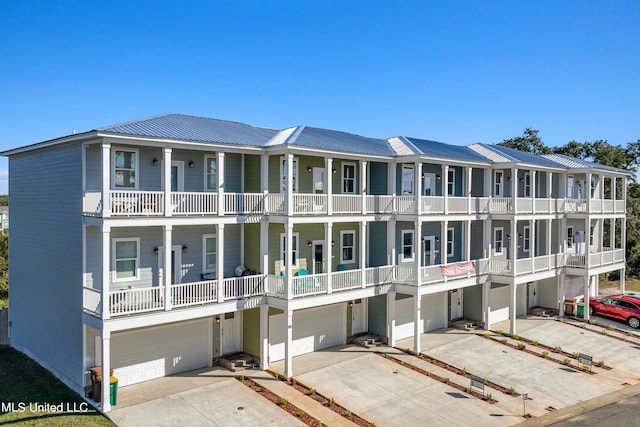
x,y
498,239
295,239
125,164
283,175
569,237
407,245
526,239
210,173
126,259
347,247
450,242
348,178
527,184
451,182
209,253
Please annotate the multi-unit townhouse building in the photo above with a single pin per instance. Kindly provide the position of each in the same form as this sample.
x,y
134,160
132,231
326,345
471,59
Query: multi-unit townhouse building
x,y
284,242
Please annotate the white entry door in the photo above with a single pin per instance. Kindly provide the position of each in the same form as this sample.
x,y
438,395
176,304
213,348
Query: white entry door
x,y
176,262
318,257
359,316
533,294
429,184
231,333
455,304
429,250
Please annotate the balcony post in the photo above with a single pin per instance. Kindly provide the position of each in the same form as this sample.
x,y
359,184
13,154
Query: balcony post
x,y
416,322
264,247
418,189
514,189
166,263
613,191
288,344
513,246
220,261
288,227
391,242
221,186
105,356
328,233
468,185
264,184
532,243
513,300
106,179
391,318
418,250
363,185
329,183
588,193
488,238
106,271
167,183
560,279
289,183
363,253
486,304
445,187
444,243
587,241
612,234
264,337
467,241
587,288
533,191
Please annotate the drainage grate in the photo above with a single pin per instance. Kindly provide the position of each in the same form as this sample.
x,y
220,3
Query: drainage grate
x,y
550,408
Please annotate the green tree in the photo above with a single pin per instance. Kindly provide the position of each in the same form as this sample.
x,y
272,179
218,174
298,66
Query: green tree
x,y
529,142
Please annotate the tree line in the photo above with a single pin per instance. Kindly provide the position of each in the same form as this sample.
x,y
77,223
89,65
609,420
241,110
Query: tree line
x,y
600,151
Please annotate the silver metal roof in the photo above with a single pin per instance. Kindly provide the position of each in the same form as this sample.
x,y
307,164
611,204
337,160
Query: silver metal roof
x,y
332,140
446,151
523,157
573,163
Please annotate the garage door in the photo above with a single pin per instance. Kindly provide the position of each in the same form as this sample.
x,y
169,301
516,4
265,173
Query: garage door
x,y
150,353
404,318
313,329
499,304
434,312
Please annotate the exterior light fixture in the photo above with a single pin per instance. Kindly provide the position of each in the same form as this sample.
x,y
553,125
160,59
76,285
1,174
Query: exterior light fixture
x,y
309,243
438,177
155,250
333,243
185,249
191,164
334,171
154,162
309,169
218,320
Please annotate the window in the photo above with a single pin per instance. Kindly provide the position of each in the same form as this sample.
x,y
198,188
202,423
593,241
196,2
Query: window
x,y
295,238
347,247
407,245
126,255
125,163
283,175
570,186
498,237
592,240
451,182
407,179
348,178
569,237
527,184
594,186
209,254
499,178
210,174
526,243
450,246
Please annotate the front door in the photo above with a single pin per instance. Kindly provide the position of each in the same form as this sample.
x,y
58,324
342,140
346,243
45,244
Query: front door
x,y
455,304
177,175
318,257
498,184
429,250
533,294
230,333
429,184
176,261
319,175
358,317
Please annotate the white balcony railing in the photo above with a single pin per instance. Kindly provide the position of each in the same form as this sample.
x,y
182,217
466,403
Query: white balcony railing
x,y
458,204
136,300
309,285
275,286
347,203
130,203
575,205
92,203
431,274
309,203
405,204
380,204
243,287
500,205
275,204
349,279
195,293
243,203
92,300
189,203
379,275
525,205
542,205
432,204
405,273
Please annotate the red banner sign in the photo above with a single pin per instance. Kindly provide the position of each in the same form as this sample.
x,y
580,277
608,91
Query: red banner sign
x,y
458,269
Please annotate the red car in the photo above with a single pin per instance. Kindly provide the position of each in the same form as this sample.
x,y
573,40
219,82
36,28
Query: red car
x,y
621,307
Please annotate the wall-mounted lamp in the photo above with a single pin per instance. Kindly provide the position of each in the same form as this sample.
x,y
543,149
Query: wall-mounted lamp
x,y
333,243
154,162
521,179
309,243
508,236
309,169
191,164
334,171
218,320
438,177
437,239
155,250
350,304
520,236
185,249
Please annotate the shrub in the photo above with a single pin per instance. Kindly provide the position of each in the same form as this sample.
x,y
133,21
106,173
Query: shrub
x,y
347,413
312,391
575,355
557,349
241,377
566,362
604,332
534,343
561,320
592,322
486,335
500,332
611,327
445,380
521,346
300,413
463,371
467,389
276,375
503,341
511,391
516,337
600,364
488,397
545,354
283,401
332,402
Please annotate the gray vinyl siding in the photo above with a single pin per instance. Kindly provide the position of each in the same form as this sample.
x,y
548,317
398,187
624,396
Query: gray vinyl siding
x,y
472,297
541,184
556,239
193,176
150,238
93,167
252,246
305,177
457,189
91,359
377,244
378,173
548,293
46,258
477,240
93,276
555,186
232,249
337,177
233,172
377,315
274,174
337,228
457,241
400,227
477,182
252,174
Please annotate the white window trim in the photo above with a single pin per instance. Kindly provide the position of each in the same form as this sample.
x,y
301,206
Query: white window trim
x,y
526,182
571,242
283,173
526,240
571,179
283,236
495,251
355,180
206,172
114,272
204,253
452,242
451,183
412,179
402,246
353,252
113,168
495,183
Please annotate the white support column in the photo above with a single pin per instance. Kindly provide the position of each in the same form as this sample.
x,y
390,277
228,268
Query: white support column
x,y
613,190
549,235
488,238
487,191
467,241
533,191
363,185
468,187
105,349
221,184
417,322
391,242
486,304
549,191
220,261
417,250
589,196
329,190
328,234
289,179
289,258
513,304
587,241
514,189
612,233
561,278
363,253
445,187
443,242
167,231
106,271
106,179
288,344
418,181
532,243
622,280
264,182
587,291
513,246
264,247
264,337
166,184
391,318
391,171
562,241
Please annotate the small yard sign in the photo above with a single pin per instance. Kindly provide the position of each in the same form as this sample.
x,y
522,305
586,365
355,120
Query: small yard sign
x,y
585,360
478,383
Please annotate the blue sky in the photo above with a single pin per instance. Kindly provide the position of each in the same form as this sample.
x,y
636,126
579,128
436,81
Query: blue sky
x,y
454,71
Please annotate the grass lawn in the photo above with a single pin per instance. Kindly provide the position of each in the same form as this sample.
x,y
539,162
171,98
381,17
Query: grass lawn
x,y
22,380
630,285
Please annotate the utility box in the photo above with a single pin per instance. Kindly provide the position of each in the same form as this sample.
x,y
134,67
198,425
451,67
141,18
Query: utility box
x,y
570,307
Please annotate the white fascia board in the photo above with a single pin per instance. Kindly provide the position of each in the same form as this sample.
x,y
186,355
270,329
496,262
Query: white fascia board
x,y
52,142
318,152
200,146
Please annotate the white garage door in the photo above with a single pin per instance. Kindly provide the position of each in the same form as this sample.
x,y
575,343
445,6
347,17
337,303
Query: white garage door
x,y
434,312
150,353
499,303
404,318
313,329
